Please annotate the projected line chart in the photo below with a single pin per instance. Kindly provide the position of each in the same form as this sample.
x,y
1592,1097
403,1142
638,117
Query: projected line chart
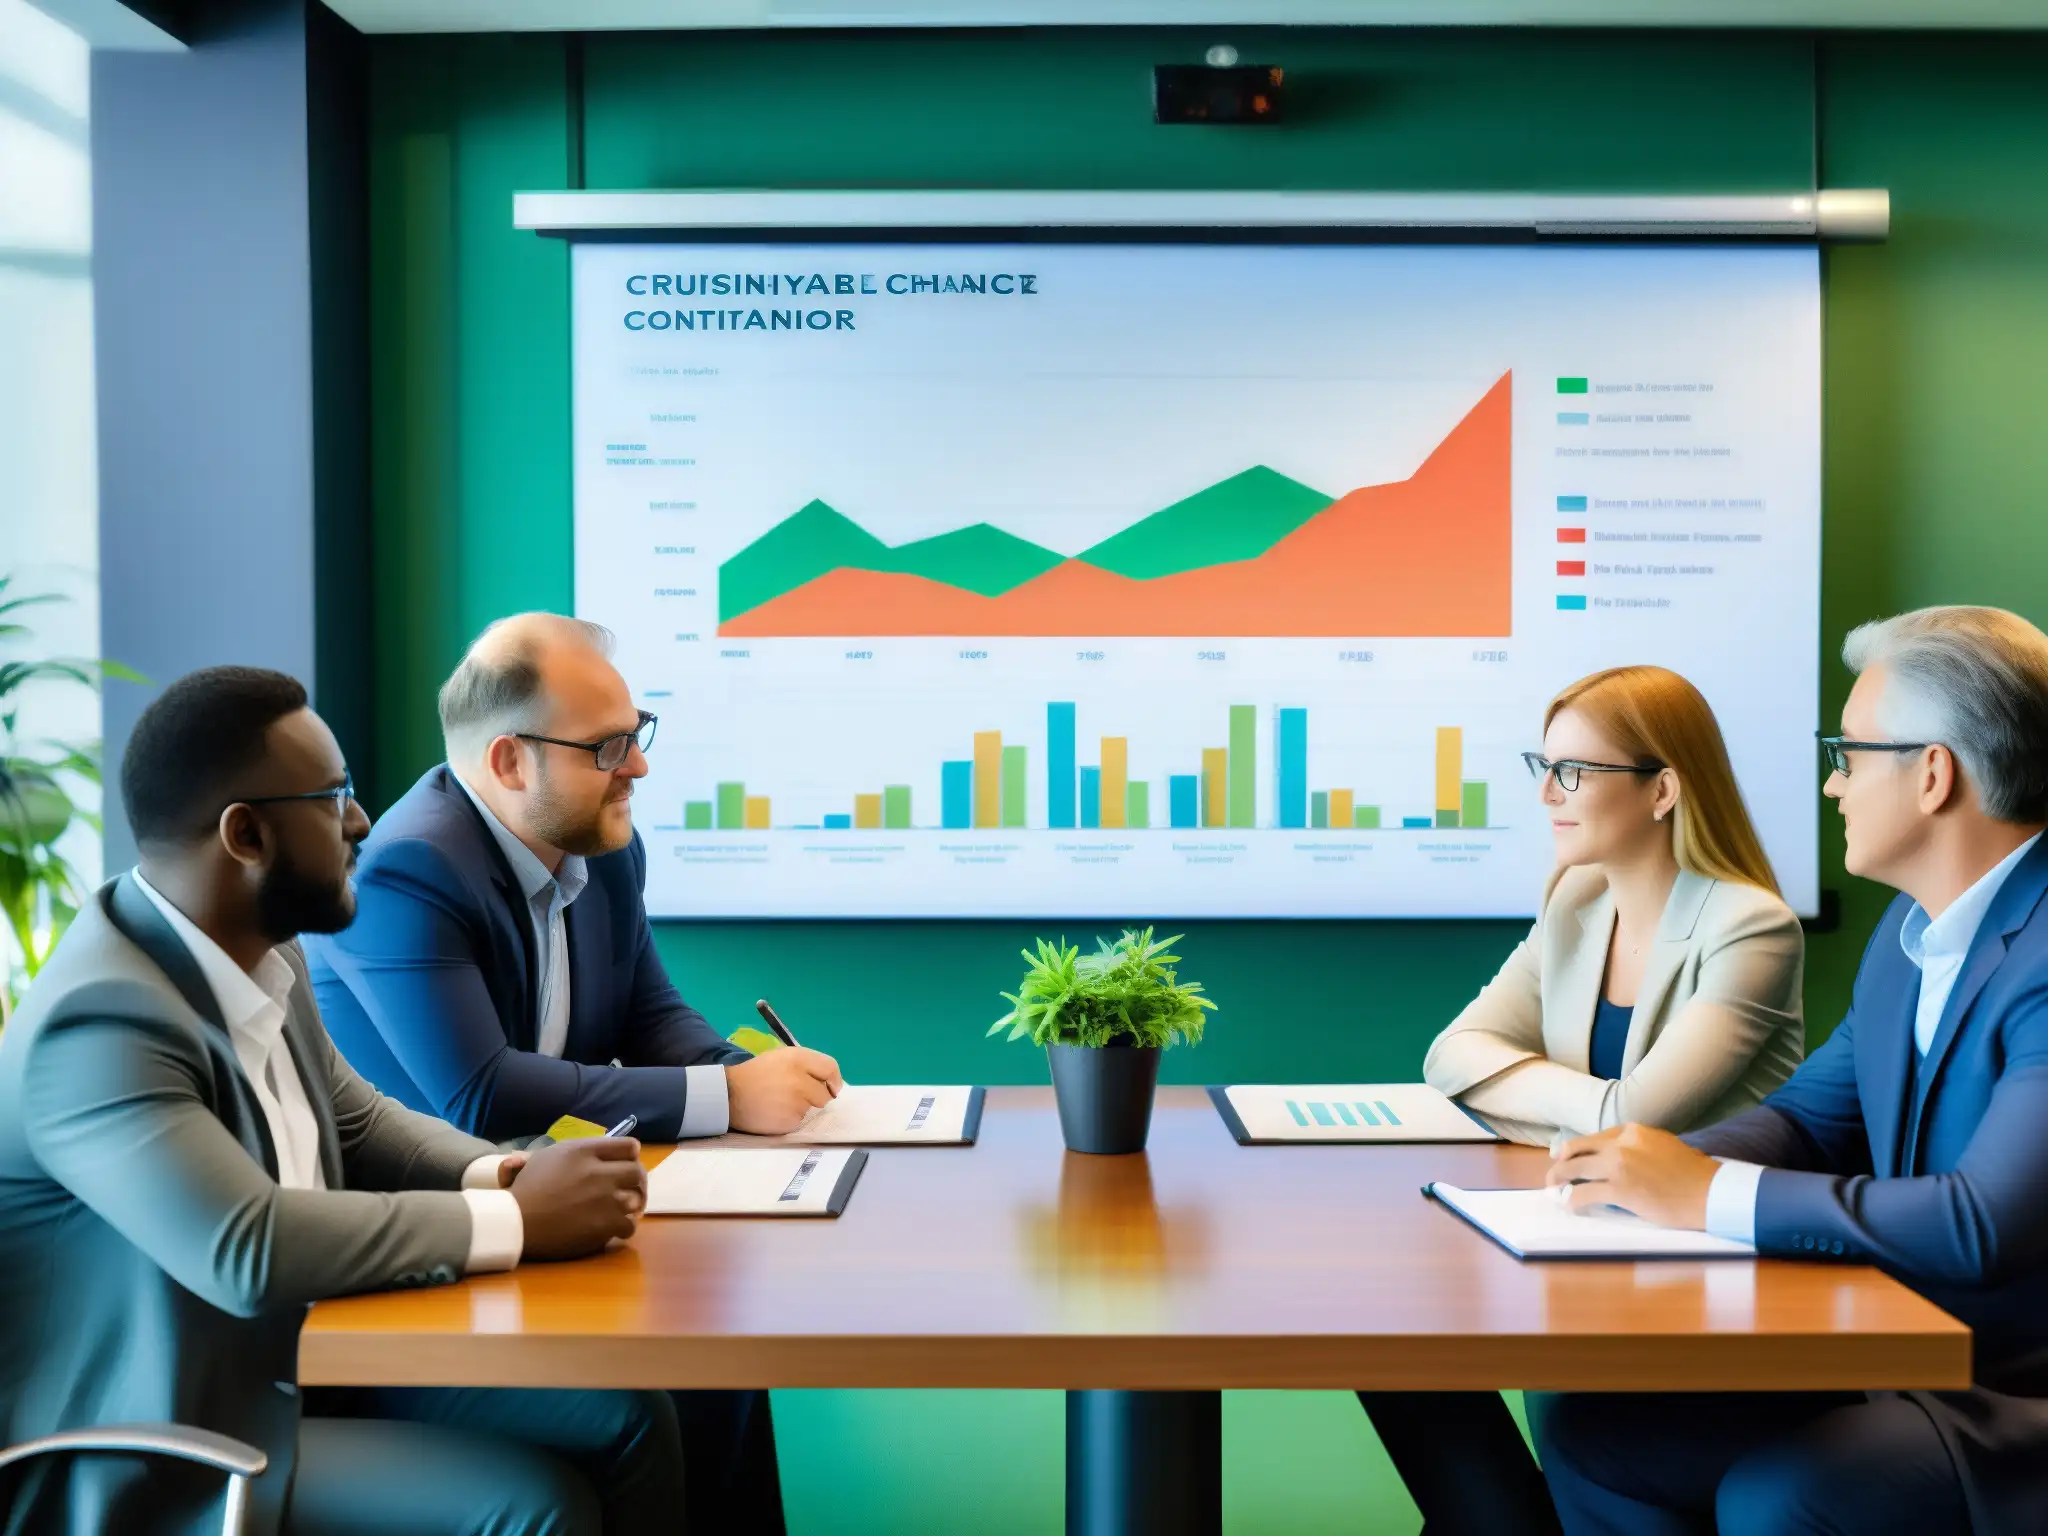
x,y
1069,600
1257,554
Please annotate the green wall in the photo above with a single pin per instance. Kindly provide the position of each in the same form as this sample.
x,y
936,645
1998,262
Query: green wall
x,y
1934,474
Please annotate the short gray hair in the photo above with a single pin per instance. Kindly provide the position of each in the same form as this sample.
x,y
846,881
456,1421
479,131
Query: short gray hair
x,y
496,691
1976,681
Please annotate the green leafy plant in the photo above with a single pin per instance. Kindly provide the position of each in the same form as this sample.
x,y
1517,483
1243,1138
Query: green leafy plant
x,y
39,890
1127,991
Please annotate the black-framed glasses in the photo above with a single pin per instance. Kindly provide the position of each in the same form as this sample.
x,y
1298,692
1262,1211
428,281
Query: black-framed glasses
x,y
340,794
1838,748
609,752
1566,770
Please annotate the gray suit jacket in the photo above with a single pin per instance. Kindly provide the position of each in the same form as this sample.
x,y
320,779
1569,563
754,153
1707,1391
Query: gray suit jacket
x,y
150,1266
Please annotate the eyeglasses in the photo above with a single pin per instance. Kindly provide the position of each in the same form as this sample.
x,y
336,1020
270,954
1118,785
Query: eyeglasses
x,y
609,752
1567,770
1838,749
340,794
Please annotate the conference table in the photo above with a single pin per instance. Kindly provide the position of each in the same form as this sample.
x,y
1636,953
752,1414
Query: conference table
x,y
1141,1285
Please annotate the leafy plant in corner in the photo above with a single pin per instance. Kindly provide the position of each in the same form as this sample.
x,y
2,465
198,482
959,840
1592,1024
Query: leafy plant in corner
x,y
1126,993
39,890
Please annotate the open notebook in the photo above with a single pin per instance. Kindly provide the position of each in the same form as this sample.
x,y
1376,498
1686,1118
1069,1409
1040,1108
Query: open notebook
x,y
769,1181
1534,1224
1263,1114
877,1115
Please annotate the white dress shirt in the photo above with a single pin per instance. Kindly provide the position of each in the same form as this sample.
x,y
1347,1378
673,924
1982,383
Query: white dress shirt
x,y
253,1005
707,1109
1938,946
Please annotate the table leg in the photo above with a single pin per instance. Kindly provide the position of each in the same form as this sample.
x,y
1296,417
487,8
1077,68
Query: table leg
x,y
1144,1463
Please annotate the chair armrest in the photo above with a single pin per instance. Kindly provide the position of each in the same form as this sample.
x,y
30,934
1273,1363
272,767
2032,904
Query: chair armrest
x,y
220,1452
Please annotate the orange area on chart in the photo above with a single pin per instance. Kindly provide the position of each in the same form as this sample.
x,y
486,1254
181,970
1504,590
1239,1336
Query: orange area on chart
x,y
1428,555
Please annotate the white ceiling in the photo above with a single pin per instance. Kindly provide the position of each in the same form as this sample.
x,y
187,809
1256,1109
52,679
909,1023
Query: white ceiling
x,y
615,15
109,24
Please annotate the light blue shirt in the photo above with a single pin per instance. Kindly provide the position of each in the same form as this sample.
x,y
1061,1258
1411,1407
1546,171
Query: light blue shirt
x,y
706,1107
1938,946
547,900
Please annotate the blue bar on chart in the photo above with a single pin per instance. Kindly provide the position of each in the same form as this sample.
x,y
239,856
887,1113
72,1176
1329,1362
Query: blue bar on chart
x,y
956,794
1573,418
1059,765
839,823
1571,503
1292,758
1572,602
1184,800
1091,797
1418,821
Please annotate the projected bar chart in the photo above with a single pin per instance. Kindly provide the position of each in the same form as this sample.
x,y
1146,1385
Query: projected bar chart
x,y
991,788
731,810
988,789
1456,801
1104,795
735,810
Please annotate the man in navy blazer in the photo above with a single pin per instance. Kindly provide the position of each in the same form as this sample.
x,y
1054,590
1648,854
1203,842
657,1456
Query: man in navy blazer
x,y
1915,1139
501,972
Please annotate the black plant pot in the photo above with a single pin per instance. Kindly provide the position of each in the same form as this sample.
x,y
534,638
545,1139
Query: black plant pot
x,y
1105,1095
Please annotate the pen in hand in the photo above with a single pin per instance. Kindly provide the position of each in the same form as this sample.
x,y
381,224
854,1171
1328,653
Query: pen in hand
x,y
783,1033
625,1127
774,1022
1562,1193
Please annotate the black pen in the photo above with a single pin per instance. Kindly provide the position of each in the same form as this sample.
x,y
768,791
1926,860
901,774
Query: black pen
x,y
625,1127
769,1017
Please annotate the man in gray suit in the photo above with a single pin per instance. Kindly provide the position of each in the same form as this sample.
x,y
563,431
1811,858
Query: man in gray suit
x,y
186,1164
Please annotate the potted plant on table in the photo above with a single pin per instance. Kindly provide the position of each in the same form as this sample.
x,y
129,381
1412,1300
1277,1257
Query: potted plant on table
x,y
1104,1019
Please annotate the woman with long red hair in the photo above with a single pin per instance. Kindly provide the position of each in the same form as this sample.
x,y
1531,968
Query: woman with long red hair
x,y
1659,985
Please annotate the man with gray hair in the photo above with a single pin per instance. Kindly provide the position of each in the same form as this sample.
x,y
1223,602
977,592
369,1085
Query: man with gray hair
x,y
1915,1139
501,971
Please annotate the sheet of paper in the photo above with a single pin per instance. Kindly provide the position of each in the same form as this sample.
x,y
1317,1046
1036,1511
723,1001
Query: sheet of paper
x,y
728,1181
1535,1224
871,1116
1352,1112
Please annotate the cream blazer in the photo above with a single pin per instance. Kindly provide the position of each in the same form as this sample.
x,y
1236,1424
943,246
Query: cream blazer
x,y
1717,1022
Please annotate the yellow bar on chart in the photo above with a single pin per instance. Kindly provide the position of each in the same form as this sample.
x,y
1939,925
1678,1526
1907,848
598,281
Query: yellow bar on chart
x,y
1340,807
1215,782
988,778
1450,773
757,813
867,811
1116,772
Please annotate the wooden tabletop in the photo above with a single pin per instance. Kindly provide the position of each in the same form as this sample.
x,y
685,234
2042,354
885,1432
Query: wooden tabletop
x,y
1200,1264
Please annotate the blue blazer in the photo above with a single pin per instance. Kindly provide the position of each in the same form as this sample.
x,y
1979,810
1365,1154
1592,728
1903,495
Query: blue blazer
x,y
431,993
1939,1178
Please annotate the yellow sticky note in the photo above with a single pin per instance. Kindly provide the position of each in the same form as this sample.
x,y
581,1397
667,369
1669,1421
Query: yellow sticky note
x,y
755,1040
569,1128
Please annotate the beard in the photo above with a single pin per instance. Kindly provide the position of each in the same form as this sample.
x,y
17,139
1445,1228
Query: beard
x,y
290,902
562,825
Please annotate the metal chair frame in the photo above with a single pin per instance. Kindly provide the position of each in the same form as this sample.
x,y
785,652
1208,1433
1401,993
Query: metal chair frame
x,y
238,1460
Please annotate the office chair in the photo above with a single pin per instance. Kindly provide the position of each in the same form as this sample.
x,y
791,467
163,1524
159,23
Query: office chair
x,y
239,1461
